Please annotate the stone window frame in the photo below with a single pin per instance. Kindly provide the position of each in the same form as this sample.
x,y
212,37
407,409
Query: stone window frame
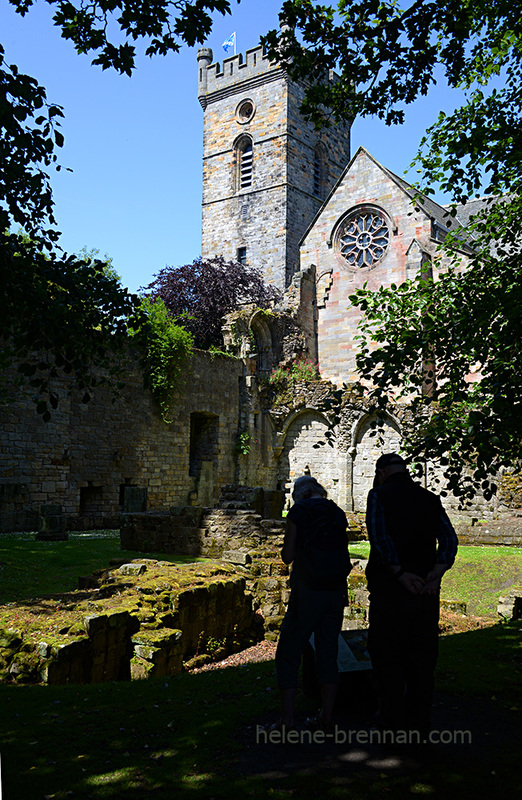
x,y
361,208
320,170
243,168
243,118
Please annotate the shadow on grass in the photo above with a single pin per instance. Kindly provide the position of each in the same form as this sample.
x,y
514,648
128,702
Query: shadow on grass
x,y
194,736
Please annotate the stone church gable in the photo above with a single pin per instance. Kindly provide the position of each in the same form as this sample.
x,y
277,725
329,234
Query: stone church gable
x,y
363,234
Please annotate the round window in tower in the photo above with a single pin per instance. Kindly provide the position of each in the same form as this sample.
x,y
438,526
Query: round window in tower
x,y
364,237
245,111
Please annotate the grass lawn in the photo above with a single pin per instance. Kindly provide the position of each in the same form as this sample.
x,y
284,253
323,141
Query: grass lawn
x,y
29,568
194,735
480,575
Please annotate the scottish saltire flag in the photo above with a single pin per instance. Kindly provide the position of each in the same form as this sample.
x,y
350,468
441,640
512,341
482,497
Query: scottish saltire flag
x,y
230,42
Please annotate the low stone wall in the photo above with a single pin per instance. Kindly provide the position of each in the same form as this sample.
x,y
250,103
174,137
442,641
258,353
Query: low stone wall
x,y
195,531
242,538
144,619
507,530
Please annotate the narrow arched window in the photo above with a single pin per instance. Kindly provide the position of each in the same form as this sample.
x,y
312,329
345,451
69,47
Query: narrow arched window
x,y
244,162
320,171
246,166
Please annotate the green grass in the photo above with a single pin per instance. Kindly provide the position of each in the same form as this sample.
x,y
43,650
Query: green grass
x,y
193,736
480,575
483,663
30,568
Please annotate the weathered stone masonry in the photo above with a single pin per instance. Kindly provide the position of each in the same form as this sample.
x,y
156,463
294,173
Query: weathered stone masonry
x,y
289,217
270,215
87,453
142,619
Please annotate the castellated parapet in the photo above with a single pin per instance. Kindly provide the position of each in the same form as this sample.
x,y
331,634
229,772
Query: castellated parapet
x,y
219,77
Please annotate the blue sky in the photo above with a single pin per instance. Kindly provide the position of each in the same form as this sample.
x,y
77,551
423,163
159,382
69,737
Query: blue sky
x,y
135,144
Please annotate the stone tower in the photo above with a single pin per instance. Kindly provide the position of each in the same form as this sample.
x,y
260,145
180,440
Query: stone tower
x,y
266,171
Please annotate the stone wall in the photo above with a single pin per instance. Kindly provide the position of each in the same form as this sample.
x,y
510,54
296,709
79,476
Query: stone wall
x,y
411,246
240,537
85,456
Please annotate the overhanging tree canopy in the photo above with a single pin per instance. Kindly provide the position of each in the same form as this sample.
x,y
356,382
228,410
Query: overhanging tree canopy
x,y
163,25
63,313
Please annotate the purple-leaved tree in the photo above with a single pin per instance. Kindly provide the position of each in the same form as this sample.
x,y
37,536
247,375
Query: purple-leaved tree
x,y
200,294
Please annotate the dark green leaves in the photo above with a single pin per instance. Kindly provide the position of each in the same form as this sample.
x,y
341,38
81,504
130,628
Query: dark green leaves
x,y
452,348
60,314
162,25
27,141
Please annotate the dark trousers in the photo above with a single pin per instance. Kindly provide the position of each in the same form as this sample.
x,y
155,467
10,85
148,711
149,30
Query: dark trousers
x,y
403,647
310,611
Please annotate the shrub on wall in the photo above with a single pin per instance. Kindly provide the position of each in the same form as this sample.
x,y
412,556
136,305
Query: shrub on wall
x,y
283,379
165,346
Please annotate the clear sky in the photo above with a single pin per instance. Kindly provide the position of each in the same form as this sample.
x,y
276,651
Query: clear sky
x,y
135,144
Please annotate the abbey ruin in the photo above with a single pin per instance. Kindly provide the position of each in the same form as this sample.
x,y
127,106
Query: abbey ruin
x,y
319,223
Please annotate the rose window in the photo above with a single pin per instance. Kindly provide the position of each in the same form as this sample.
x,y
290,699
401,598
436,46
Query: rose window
x,y
364,238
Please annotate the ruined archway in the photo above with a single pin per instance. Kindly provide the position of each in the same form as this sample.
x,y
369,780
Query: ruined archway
x,y
368,444
263,341
306,451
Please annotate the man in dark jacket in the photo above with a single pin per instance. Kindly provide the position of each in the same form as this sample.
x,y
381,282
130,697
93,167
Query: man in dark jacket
x,y
412,545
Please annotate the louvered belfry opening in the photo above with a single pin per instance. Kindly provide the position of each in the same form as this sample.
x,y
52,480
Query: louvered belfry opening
x,y
245,165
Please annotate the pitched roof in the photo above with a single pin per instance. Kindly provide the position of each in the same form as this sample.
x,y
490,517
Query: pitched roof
x,y
467,210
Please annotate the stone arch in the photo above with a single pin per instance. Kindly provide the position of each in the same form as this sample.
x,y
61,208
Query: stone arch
x,y
264,343
365,451
298,456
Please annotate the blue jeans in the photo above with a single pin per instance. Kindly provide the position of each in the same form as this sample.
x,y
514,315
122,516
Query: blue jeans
x,y
310,611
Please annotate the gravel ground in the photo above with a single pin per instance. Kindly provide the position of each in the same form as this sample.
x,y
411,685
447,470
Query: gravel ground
x,y
263,651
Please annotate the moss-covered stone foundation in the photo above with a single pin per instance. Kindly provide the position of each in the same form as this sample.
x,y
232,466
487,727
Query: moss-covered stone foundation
x,y
136,620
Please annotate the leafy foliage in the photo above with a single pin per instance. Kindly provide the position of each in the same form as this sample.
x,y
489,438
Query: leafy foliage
x,y
60,315
300,371
68,314
29,134
428,337
166,347
244,443
468,413
164,24
199,295
283,379
90,255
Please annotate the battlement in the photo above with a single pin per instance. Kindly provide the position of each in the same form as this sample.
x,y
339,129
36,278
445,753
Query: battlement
x,y
233,70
